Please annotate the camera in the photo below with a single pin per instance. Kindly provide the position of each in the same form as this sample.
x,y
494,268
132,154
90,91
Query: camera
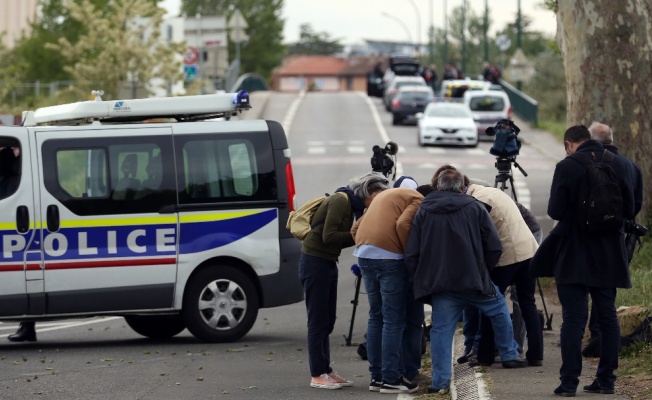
x,y
382,161
632,227
506,144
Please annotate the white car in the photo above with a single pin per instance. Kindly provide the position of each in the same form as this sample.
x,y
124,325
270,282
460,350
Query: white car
x,y
447,123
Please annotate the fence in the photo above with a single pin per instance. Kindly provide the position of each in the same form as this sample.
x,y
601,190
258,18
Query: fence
x,y
522,104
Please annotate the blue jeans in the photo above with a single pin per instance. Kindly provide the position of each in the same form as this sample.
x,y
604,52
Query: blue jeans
x,y
446,311
471,329
519,275
319,279
414,317
575,309
385,282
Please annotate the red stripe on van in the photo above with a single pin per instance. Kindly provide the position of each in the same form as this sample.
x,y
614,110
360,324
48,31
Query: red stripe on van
x,y
111,263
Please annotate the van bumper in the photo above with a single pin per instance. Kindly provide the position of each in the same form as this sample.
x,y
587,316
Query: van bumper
x,y
284,287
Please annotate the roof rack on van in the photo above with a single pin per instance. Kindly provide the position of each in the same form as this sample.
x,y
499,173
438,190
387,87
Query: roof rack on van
x,y
182,108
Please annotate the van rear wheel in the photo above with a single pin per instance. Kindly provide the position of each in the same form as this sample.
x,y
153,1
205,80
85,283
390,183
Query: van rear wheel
x,y
220,304
156,326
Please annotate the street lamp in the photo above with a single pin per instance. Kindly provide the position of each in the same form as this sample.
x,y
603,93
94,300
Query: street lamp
x,y
418,14
407,30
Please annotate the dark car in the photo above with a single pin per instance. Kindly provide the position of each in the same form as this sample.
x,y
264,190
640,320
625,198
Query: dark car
x,y
409,101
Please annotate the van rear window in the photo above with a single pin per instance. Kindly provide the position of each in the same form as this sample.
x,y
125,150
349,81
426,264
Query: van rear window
x,y
487,103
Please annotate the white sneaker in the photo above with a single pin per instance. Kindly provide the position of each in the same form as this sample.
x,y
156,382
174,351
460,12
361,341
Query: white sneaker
x,y
324,381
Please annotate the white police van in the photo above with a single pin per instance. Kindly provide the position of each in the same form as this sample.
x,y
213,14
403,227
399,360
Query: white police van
x,y
144,209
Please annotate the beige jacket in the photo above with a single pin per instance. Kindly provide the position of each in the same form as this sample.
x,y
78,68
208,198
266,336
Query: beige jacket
x,y
518,242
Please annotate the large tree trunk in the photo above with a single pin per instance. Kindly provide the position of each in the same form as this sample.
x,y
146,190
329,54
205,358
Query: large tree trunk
x,y
607,50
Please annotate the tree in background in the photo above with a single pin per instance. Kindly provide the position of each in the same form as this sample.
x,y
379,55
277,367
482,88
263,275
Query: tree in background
x,y
314,43
120,43
606,47
264,50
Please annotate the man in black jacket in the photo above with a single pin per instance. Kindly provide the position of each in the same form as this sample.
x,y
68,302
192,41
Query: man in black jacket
x,y
453,245
602,133
594,264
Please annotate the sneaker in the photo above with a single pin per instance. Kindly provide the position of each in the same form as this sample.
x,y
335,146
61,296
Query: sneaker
x,y
324,381
375,386
339,380
400,385
595,387
564,392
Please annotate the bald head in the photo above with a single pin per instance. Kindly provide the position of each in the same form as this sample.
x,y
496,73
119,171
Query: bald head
x,y
601,133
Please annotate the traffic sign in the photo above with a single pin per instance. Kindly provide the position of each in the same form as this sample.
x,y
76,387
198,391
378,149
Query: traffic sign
x,y
191,56
503,42
190,72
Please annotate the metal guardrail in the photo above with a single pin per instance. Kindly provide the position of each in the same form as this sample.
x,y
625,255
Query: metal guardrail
x,y
250,82
522,104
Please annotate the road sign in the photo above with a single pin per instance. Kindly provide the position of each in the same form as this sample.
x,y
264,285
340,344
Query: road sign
x,y
503,42
191,56
190,72
238,25
520,68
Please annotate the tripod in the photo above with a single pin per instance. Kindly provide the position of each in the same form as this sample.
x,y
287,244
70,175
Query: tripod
x,y
358,277
504,166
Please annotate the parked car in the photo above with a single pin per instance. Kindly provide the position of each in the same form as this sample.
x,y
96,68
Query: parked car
x,y
448,123
398,82
456,88
487,108
409,101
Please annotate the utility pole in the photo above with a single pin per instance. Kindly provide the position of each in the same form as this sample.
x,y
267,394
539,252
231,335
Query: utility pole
x,y
445,34
464,10
519,29
486,30
431,39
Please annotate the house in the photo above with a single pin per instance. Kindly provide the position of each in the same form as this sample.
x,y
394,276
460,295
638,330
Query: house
x,y
322,73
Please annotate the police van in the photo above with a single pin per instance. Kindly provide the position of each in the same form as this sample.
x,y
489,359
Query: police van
x,y
150,210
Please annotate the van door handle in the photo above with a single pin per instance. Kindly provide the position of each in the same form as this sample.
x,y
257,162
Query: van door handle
x,y
52,218
22,219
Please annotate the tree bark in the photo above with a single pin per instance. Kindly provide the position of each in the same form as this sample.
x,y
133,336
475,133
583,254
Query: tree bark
x,y
607,50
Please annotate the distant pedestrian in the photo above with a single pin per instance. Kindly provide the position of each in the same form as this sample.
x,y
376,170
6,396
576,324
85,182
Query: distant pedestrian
x,y
453,246
586,263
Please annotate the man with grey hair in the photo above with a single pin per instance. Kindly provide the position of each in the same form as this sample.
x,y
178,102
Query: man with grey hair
x,y
602,133
452,247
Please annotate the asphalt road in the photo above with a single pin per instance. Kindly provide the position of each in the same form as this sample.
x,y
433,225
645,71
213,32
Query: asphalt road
x,y
331,136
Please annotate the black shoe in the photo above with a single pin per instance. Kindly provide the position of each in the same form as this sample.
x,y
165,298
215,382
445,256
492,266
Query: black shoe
x,y
25,332
400,385
560,391
534,363
375,386
467,356
518,363
595,387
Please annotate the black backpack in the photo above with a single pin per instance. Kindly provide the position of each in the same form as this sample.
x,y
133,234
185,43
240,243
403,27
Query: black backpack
x,y
600,208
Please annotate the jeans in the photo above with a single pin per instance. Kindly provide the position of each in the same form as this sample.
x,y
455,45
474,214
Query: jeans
x,y
385,282
519,275
319,279
414,316
471,329
575,309
446,311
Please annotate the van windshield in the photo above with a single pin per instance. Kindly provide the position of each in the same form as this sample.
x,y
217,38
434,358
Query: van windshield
x,y
487,103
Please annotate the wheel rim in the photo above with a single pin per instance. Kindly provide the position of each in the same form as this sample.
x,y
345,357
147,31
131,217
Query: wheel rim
x,y
222,304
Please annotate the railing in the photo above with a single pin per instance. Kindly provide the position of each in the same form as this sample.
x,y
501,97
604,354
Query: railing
x,y
522,104
250,82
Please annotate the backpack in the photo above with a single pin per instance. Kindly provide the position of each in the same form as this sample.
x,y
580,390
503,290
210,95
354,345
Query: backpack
x,y
600,207
300,221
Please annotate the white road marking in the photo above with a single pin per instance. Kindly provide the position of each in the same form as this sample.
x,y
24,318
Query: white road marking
x,y
66,325
374,114
289,117
316,150
356,149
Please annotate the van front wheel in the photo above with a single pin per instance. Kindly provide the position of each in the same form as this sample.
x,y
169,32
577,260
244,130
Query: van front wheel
x,y
220,304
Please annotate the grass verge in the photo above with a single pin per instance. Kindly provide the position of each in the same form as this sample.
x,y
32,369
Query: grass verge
x,y
557,128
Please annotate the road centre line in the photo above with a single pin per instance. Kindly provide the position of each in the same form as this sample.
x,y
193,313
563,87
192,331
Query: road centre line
x,y
289,117
374,113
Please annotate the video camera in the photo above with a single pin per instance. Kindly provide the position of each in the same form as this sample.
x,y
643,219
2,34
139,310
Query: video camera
x,y
382,160
506,144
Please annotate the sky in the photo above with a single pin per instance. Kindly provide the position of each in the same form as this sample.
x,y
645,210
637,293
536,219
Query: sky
x,y
352,21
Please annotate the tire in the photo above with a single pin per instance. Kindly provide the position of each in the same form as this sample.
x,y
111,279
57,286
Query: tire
x,y
396,120
419,139
220,304
156,326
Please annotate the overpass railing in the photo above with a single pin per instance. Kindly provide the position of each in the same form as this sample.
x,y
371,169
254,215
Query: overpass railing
x,y
522,104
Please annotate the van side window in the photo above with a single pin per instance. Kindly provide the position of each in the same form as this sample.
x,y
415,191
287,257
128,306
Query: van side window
x,y
219,170
487,103
10,169
125,177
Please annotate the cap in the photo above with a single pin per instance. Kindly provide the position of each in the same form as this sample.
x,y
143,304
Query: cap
x,y
406,182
